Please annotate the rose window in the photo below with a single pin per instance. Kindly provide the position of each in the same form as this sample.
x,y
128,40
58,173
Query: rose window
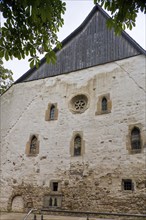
x,y
79,104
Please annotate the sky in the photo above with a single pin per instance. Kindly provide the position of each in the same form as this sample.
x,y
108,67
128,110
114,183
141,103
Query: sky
x,y
76,12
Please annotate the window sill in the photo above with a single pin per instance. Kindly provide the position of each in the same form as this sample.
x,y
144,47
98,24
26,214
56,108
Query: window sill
x,y
136,151
32,155
103,112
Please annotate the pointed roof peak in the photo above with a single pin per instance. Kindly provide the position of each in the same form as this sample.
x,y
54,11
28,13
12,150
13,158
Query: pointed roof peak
x,y
91,44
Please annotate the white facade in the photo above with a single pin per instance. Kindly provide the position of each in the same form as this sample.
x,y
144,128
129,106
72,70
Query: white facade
x,y
93,180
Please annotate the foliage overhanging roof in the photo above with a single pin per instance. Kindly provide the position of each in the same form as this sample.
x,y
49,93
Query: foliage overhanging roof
x,y
91,44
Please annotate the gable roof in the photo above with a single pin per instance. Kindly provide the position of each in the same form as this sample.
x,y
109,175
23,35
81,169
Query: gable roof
x,y
92,43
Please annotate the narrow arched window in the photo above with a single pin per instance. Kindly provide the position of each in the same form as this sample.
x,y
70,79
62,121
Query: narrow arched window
x,y
55,202
104,104
77,146
52,112
33,145
50,201
135,139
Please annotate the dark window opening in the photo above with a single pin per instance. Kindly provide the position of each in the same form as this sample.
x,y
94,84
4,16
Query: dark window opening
x,y
52,112
127,185
33,145
104,104
77,146
55,202
135,139
55,186
50,202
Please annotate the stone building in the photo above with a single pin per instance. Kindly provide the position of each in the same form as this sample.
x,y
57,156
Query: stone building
x,y
74,133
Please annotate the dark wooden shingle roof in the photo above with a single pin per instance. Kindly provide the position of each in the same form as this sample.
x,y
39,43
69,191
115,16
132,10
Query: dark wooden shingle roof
x,y
92,43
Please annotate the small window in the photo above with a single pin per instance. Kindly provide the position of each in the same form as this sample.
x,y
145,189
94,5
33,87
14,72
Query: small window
x,y
127,184
52,112
135,139
55,186
55,201
77,146
50,201
33,145
104,104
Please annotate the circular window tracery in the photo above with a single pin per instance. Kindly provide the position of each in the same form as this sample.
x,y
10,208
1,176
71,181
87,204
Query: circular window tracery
x,y
79,103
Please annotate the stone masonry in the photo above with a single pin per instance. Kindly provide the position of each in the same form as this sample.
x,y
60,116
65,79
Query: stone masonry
x,y
92,181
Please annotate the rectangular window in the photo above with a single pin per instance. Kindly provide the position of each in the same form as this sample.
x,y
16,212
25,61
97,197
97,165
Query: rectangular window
x,y
55,186
127,184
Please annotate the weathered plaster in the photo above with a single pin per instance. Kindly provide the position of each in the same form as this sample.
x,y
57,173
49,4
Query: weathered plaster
x,y
90,182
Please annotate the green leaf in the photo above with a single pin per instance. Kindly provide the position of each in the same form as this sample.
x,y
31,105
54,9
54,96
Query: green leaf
x,y
31,64
6,56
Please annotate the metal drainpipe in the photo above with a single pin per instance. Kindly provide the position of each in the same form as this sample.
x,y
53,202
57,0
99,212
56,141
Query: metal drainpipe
x,y
31,210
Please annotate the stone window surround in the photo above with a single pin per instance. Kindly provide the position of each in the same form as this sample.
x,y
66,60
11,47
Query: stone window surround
x,y
99,104
128,139
27,150
75,97
46,202
55,181
77,133
47,113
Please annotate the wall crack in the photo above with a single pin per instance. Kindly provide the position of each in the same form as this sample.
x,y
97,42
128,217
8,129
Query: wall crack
x,y
140,87
20,116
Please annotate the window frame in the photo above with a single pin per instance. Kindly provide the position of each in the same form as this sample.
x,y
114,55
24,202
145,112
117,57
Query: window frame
x,y
139,126
72,144
28,146
48,112
79,103
52,182
52,201
52,112
32,148
125,187
100,110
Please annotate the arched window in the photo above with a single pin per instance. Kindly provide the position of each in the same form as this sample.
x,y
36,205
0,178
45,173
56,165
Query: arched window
x,y
33,145
77,146
52,112
104,104
55,201
50,201
135,139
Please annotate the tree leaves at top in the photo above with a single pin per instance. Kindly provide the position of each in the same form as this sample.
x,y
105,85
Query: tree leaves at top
x,y
124,12
30,28
6,78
